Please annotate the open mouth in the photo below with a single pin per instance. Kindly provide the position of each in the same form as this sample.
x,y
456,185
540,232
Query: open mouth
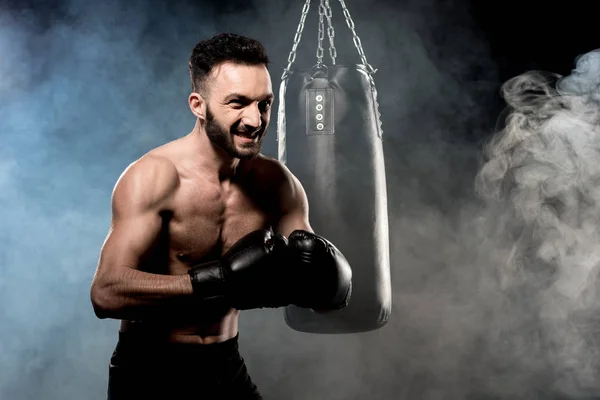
x,y
248,135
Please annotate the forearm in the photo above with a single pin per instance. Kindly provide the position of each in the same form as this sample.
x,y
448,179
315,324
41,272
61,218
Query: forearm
x,y
131,294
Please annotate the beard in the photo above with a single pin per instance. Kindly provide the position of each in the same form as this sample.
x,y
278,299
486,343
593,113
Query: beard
x,y
224,139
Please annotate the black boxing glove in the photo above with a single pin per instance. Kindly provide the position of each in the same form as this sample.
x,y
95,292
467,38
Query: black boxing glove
x,y
244,275
324,277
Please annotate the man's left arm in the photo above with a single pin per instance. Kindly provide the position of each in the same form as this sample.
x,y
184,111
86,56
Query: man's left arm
x,y
324,273
292,206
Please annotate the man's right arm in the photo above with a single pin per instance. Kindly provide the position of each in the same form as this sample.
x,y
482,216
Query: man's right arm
x,y
120,290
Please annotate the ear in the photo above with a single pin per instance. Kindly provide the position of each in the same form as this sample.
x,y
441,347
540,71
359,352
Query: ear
x,y
197,105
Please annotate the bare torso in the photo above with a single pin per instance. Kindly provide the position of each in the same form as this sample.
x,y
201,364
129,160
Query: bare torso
x,y
206,217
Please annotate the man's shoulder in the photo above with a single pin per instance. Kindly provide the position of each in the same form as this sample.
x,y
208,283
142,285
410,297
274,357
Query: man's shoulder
x,y
153,175
271,169
152,163
279,181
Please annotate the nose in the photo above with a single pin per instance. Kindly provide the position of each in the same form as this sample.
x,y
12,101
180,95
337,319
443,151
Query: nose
x,y
251,118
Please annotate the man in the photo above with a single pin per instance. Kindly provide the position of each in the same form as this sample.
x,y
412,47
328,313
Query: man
x,y
205,226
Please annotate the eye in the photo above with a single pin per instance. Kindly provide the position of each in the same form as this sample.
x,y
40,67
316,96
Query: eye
x,y
264,105
236,103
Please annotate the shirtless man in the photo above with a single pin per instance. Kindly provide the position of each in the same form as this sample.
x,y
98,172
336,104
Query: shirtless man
x,y
205,226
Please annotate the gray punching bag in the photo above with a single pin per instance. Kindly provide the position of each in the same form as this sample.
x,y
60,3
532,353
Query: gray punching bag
x,y
329,136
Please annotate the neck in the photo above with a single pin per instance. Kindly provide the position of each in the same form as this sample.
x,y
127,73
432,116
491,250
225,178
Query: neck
x,y
209,156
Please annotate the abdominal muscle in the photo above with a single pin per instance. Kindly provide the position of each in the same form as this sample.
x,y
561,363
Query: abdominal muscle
x,y
223,329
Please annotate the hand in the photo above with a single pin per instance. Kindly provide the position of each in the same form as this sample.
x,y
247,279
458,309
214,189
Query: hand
x,y
253,270
247,274
325,275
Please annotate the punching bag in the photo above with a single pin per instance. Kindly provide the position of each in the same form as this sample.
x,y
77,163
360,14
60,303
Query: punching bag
x,y
330,137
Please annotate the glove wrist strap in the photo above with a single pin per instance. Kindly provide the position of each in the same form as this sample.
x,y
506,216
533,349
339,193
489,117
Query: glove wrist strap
x,y
208,281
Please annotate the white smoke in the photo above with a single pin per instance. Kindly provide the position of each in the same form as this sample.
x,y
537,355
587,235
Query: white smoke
x,y
542,177
585,78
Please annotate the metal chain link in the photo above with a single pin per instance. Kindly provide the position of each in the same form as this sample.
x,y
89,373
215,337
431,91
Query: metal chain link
x,y
325,12
321,35
369,68
330,32
297,37
355,38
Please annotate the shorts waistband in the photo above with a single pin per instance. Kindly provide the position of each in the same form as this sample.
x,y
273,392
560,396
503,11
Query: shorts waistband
x,y
152,346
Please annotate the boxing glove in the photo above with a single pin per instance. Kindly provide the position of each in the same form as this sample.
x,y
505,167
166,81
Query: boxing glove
x,y
324,276
248,275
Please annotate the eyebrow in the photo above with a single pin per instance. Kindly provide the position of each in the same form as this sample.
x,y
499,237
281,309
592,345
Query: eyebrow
x,y
242,97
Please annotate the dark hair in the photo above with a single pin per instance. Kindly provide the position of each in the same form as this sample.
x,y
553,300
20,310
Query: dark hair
x,y
219,49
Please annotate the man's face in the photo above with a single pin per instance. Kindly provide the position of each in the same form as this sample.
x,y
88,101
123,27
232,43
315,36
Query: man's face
x,y
239,108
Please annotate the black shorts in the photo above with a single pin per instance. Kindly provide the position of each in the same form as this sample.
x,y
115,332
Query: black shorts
x,y
148,368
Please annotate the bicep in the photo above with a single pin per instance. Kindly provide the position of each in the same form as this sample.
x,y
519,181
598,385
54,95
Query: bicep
x,y
294,209
129,240
291,222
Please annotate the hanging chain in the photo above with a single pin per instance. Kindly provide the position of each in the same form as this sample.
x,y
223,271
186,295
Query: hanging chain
x,y
325,12
355,38
321,35
297,37
330,32
369,68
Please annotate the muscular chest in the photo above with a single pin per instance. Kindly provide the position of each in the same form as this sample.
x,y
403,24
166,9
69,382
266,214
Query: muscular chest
x,y
209,218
